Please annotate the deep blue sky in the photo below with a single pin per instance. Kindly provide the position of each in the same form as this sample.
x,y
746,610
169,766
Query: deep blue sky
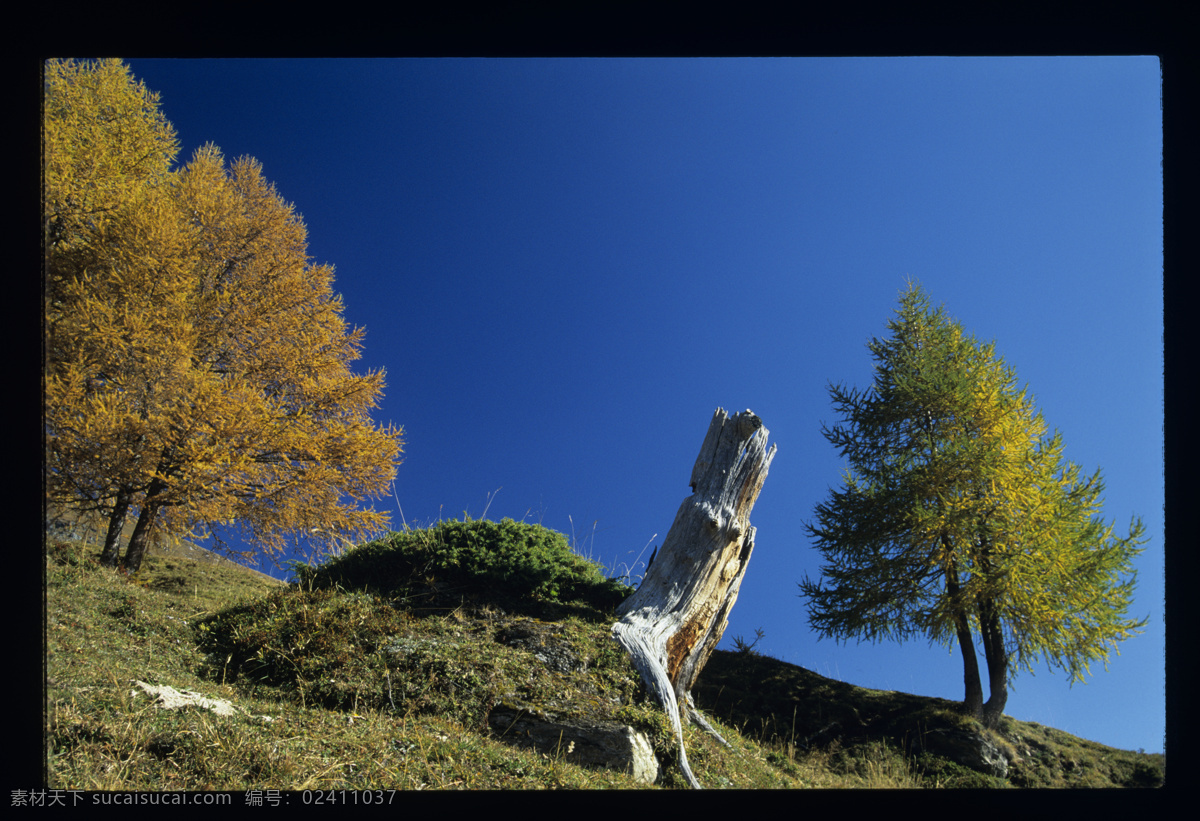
x,y
567,265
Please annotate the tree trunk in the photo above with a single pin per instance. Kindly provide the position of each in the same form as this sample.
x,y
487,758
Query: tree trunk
x,y
997,663
674,621
116,523
139,540
973,699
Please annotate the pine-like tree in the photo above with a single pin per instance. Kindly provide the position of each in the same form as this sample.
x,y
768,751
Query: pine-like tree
x,y
960,518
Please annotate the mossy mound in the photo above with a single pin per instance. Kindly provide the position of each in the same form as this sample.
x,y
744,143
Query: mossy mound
x,y
512,565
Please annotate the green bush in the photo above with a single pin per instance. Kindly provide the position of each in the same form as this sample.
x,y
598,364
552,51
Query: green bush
x,y
511,564
343,637
298,638
343,651
1146,773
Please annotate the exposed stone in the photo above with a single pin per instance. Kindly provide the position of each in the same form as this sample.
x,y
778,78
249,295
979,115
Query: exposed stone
x,y
590,743
542,641
168,698
969,749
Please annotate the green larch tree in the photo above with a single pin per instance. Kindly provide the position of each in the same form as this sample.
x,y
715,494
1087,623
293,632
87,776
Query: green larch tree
x,y
961,520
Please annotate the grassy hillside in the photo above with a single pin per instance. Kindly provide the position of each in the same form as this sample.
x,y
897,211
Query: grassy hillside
x,y
385,680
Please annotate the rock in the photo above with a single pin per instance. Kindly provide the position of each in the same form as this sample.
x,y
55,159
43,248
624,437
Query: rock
x,y
168,698
590,743
969,749
543,642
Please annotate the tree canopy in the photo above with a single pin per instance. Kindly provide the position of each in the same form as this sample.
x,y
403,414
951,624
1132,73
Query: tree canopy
x,y
960,517
198,365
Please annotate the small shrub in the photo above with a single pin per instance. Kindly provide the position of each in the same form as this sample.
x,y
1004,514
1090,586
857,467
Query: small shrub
x,y
745,647
307,639
1146,774
511,564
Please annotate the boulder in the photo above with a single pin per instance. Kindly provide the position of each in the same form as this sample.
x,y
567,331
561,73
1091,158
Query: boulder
x,y
586,742
972,750
545,643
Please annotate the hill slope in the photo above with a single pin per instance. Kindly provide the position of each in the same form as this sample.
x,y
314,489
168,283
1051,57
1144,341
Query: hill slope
x,y
341,689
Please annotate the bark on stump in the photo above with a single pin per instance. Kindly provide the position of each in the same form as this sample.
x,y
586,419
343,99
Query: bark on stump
x,y
674,621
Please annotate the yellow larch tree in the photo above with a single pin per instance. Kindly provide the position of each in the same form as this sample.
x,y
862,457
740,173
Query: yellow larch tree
x,y
278,435
199,370
112,279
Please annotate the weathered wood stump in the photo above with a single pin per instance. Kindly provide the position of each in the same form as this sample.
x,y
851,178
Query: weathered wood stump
x,y
674,621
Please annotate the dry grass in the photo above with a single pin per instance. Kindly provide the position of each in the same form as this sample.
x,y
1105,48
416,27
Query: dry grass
x,y
421,724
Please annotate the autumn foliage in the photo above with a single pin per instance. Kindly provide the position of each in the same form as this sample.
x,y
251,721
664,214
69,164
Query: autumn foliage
x,y
198,366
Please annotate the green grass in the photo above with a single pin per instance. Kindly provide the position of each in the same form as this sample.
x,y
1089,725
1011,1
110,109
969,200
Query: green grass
x,y
385,681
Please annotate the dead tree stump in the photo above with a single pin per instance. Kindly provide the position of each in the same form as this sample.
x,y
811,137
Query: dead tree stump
x,y
674,621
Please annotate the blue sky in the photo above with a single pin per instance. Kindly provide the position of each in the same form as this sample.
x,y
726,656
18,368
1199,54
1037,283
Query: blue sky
x,y
566,266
